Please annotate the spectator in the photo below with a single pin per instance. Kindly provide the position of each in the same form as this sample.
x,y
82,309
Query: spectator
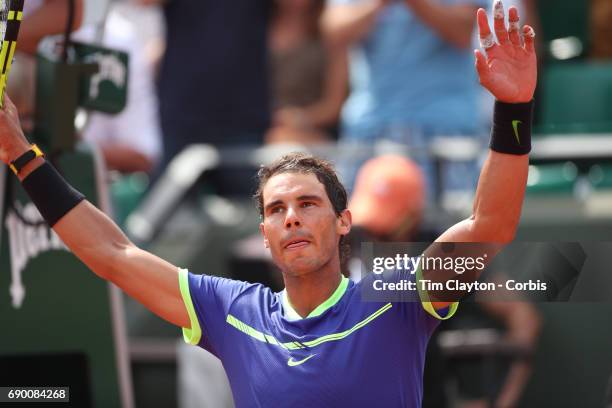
x,y
412,71
213,76
380,210
309,77
379,203
131,140
41,18
601,32
491,380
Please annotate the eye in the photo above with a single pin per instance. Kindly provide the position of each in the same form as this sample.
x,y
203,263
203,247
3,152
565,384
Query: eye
x,y
307,204
276,210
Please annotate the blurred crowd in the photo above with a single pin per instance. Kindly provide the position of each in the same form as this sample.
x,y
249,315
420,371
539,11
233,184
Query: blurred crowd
x,y
355,74
358,74
367,76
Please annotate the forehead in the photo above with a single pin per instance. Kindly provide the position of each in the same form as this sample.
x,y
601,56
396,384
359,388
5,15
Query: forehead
x,y
285,186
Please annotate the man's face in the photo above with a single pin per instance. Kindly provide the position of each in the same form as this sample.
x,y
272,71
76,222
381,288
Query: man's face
x,y
300,226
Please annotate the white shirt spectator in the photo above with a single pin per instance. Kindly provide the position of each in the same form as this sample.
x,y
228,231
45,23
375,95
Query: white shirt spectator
x,y
136,127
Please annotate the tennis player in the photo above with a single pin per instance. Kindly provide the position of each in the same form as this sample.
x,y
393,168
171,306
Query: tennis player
x,y
316,343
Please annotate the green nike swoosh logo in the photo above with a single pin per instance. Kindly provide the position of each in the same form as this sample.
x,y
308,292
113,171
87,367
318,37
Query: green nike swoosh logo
x,y
292,363
515,124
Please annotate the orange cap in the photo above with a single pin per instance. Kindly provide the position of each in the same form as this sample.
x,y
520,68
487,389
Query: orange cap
x,y
387,190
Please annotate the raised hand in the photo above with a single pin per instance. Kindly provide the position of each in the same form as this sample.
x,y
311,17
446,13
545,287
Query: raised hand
x,y
509,69
12,141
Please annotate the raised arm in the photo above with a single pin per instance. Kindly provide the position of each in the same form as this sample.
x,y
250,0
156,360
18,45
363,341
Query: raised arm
x,y
48,19
453,22
344,24
92,236
509,73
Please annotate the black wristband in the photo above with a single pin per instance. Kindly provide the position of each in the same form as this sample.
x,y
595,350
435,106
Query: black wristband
x,y
511,131
51,194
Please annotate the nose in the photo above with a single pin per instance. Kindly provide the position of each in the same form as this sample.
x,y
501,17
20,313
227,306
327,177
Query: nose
x,y
292,218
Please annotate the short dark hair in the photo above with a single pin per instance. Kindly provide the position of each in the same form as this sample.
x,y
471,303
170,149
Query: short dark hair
x,y
303,163
306,164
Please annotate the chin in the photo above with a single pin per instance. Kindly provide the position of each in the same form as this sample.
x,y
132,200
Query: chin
x,y
302,266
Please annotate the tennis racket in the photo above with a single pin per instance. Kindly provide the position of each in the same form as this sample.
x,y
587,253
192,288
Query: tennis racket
x,y
11,12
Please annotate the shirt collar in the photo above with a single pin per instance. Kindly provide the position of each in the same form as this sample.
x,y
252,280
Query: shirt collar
x,y
291,315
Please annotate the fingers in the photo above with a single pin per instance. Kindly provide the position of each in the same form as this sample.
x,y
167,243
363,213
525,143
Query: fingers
x,y
529,36
514,27
504,36
499,22
486,38
8,104
481,65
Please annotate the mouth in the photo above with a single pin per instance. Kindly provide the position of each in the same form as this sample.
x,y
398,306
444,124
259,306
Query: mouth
x,y
297,243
